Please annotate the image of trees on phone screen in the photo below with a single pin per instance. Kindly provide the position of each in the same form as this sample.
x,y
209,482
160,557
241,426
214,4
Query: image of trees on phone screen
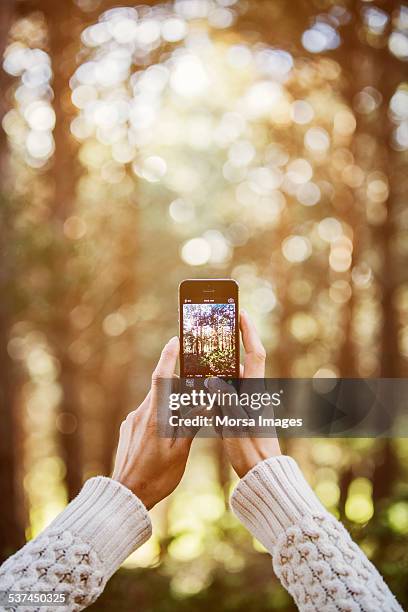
x,y
209,339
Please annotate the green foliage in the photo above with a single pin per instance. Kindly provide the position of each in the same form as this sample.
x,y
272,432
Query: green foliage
x,y
218,361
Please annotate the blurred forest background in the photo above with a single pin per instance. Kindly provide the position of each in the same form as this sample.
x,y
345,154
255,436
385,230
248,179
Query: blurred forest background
x,y
259,139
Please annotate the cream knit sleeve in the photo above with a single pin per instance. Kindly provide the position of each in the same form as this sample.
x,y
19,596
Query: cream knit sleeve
x,y
312,553
81,549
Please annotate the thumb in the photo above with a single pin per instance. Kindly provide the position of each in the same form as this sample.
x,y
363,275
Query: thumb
x,y
168,360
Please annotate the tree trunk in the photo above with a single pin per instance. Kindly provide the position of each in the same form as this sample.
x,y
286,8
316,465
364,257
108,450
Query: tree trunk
x,y
64,25
12,508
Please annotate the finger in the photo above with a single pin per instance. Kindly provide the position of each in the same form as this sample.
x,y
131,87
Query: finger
x,y
190,431
215,384
168,360
255,355
229,400
130,416
162,383
195,412
241,370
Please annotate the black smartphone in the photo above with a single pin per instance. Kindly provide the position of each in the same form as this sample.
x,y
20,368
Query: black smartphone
x,y
209,331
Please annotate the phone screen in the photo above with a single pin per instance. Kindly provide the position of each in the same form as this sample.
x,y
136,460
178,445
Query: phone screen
x,y
209,328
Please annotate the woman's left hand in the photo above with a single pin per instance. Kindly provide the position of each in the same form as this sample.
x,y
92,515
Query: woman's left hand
x,y
149,465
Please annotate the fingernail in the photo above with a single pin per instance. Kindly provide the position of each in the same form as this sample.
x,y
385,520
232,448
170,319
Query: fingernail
x,y
211,383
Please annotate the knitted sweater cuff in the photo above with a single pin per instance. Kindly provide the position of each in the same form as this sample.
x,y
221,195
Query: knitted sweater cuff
x,y
110,518
273,496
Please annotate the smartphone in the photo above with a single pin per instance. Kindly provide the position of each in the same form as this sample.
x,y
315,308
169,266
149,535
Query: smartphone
x,y
209,331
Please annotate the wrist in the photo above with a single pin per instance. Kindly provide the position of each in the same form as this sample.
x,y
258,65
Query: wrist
x,y
141,489
254,455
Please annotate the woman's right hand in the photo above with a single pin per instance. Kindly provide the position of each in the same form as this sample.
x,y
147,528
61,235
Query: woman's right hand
x,y
244,453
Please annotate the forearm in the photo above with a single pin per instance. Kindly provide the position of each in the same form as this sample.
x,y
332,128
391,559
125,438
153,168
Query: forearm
x,y
82,547
313,555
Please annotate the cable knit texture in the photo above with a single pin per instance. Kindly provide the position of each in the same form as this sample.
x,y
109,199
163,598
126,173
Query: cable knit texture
x,y
81,548
313,555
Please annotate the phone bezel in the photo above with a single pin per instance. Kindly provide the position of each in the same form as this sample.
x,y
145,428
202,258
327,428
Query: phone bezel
x,y
194,289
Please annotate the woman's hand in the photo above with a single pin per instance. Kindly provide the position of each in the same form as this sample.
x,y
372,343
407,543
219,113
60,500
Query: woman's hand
x,y
244,453
149,465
